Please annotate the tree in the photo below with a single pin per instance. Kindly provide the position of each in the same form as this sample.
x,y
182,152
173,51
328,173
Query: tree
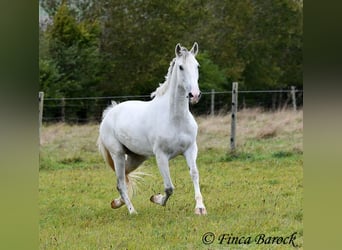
x,y
112,47
211,76
274,39
74,49
71,64
257,43
139,38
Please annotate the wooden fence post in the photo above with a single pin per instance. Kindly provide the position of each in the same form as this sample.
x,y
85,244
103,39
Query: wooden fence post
x,y
234,113
293,93
212,106
41,106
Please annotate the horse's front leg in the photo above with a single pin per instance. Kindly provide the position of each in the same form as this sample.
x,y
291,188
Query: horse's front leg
x,y
163,165
190,156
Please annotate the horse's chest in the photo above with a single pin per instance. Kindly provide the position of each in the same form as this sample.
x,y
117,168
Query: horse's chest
x,y
175,143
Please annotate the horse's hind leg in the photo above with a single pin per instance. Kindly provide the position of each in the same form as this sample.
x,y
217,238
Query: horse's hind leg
x,y
132,162
119,160
163,165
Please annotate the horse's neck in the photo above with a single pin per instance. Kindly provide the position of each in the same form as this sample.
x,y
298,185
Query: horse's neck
x,y
178,103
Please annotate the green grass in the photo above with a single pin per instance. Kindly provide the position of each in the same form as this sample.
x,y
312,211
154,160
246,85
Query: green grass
x,y
256,190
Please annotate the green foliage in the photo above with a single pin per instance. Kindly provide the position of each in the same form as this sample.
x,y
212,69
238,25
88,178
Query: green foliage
x,y
74,48
276,44
49,77
71,64
211,76
257,43
140,37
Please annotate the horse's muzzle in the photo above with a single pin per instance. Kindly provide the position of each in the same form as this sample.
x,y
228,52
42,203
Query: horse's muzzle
x,y
194,98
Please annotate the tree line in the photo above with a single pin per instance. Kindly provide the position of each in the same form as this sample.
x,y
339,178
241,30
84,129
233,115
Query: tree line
x,y
124,47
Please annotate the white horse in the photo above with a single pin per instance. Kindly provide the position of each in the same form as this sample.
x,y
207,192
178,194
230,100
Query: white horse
x,y
134,130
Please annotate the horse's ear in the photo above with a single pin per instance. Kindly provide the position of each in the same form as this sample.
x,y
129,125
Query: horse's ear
x,y
178,50
194,49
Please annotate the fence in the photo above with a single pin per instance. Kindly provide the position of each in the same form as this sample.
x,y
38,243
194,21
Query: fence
x,y
89,109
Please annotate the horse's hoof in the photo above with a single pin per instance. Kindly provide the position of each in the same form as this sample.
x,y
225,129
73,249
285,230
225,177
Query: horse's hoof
x,y
133,212
200,211
113,204
158,199
116,203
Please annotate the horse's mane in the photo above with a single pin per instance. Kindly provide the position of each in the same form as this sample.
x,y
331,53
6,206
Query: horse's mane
x,y
164,86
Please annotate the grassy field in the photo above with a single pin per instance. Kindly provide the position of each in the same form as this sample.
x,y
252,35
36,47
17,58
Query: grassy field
x,y
257,190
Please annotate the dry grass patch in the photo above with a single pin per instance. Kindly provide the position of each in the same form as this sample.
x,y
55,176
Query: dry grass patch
x,y
252,124
66,145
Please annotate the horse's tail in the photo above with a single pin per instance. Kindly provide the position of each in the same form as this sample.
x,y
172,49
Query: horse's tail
x,y
105,154
132,178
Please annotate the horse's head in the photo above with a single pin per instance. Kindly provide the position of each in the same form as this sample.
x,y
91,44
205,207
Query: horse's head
x,y
186,66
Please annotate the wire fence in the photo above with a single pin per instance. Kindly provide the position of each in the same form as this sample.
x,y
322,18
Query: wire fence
x,y
89,109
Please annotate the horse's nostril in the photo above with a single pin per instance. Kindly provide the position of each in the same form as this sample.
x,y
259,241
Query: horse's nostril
x,y
190,95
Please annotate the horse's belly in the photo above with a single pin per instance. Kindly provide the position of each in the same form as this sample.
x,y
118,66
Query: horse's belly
x,y
134,140
139,147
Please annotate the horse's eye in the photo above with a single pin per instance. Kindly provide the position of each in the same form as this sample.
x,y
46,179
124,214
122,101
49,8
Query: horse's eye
x,y
181,67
